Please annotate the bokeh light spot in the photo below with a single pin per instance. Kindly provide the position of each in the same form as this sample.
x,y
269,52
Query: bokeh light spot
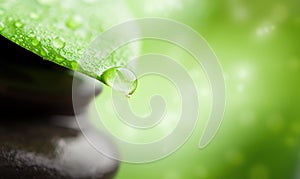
x,y
259,171
235,157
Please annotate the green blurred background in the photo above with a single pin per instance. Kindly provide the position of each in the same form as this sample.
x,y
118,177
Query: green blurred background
x,y
257,44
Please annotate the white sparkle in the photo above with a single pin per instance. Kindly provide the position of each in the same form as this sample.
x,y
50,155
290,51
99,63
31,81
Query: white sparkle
x,y
243,73
264,30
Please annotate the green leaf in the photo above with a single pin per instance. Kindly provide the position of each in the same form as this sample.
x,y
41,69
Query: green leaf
x,y
61,31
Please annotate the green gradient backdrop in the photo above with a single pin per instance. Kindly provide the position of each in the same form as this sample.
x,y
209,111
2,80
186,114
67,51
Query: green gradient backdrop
x,y
258,45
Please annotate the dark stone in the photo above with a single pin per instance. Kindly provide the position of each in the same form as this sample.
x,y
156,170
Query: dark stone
x,y
37,140
44,149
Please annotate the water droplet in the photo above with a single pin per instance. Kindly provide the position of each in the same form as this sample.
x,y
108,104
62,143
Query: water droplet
x,y
120,79
63,53
73,22
80,51
1,26
19,24
35,41
31,34
33,15
43,51
59,59
58,42
47,41
67,54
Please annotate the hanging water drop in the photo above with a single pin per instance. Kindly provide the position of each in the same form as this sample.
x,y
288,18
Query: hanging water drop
x,y
120,79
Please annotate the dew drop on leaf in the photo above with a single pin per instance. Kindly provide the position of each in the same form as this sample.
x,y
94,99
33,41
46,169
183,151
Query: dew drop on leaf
x,y
19,24
35,41
58,42
43,52
59,59
31,34
63,53
1,26
33,15
73,22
